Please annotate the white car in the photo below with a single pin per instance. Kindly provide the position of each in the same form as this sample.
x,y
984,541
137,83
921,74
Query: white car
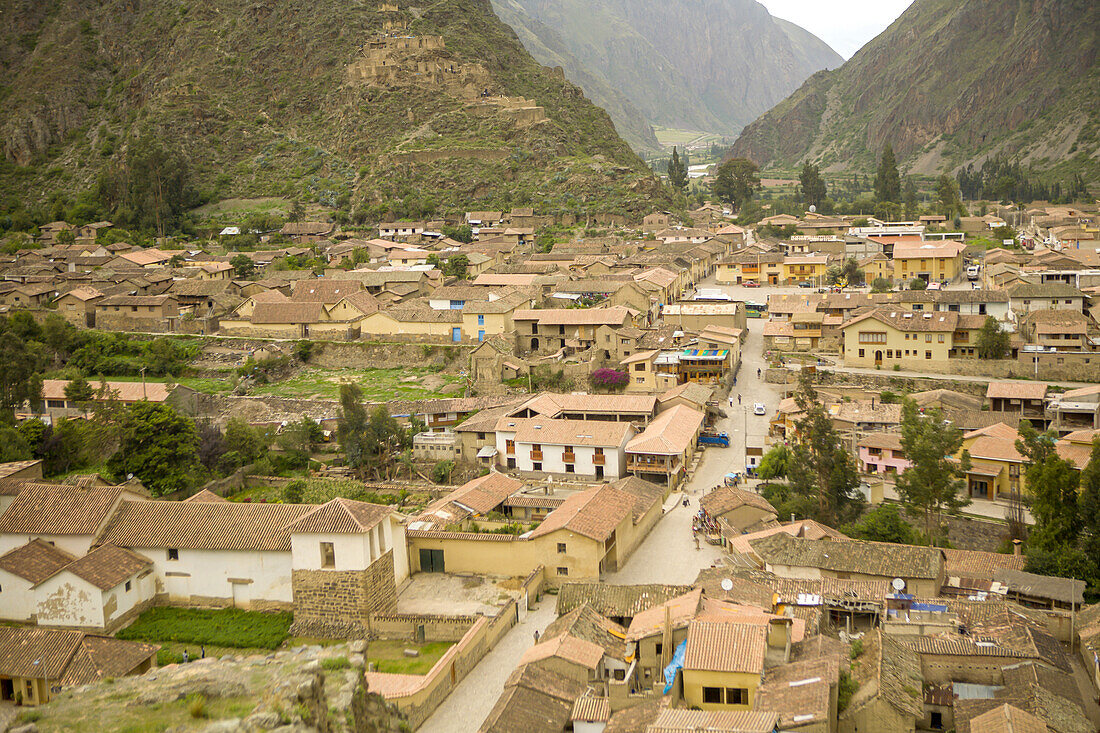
x,y
759,409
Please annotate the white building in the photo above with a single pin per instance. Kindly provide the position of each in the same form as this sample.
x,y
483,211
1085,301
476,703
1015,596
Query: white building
x,y
589,448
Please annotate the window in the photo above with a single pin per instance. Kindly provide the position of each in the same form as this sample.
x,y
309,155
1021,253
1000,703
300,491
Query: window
x,y
598,451
941,338
712,695
173,553
481,320
639,367
328,555
569,468
861,353
737,696
127,586
928,355
889,353
561,548
927,338
536,466
640,380
872,337
563,571
481,436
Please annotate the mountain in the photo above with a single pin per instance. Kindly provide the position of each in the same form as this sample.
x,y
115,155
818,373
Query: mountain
x,y
709,65
951,82
354,103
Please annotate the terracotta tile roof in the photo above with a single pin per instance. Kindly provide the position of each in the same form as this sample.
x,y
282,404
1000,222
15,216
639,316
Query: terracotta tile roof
x,y
1016,389
1048,290
138,300
996,449
584,623
36,653
534,699
727,498
552,404
634,719
84,293
594,513
891,441
997,430
102,657
35,561
54,389
799,692
205,496
1007,719
569,648
645,494
7,469
691,391
203,525
807,528
670,433
340,516
725,647
613,316
679,611
890,670
1063,590
853,556
591,709
978,564
107,566
618,601
266,312
549,431
47,509
680,720
902,320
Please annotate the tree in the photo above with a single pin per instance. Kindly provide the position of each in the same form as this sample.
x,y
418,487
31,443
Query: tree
x,y
463,233
887,180
13,446
371,442
244,440
1052,482
457,266
211,445
848,273
677,171
79,392
243,266
812,190
947,195
297,211
157,445
775,463
933,483
910,200
151,189
883,524
821,469
736,180
993,342
1088,505
20,380
881,285
918,283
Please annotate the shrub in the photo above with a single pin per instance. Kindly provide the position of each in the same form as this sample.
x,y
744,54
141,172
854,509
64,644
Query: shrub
x,y
845,690
335,663
230,627
303,350
292,493
196,706
609,379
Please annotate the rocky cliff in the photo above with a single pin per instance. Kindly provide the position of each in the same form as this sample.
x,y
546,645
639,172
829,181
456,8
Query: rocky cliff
x,y
950,82
710,65
347,103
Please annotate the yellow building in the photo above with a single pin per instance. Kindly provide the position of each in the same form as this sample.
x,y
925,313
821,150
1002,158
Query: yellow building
x,y
996,467
929,261
805,269
909,339
763,268
876,266
723,663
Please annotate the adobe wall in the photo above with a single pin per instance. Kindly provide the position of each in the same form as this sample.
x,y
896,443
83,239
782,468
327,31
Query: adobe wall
x,y
110,321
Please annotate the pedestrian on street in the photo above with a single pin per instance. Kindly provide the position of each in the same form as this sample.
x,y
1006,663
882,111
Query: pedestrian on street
x,y
186,656
731,400
203,647
536,636
738,400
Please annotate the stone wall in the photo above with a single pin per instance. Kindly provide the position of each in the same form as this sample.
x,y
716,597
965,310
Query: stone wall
x,y
110,321
339,603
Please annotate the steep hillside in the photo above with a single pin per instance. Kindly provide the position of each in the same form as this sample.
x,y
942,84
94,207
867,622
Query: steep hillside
x,y
710,65
354,103
950,82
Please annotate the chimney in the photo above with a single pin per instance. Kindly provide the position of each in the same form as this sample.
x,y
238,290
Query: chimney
x,y
1017,547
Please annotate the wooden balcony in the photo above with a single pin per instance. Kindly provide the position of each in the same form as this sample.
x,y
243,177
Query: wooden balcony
x,y
598,459
536,455
569,457
653,464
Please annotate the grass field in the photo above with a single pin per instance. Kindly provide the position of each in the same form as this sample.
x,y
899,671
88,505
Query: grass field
x,y
209,385
669,136
409,383
232,210
221,628
389,656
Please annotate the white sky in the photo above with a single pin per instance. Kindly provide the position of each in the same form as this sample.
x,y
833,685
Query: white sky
x,y
844,24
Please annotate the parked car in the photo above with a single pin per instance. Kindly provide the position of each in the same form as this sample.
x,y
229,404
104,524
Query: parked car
x,y
750,284
805,285
759,409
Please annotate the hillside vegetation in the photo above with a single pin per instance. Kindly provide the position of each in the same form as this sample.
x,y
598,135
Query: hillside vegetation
x,y
267,97
948,83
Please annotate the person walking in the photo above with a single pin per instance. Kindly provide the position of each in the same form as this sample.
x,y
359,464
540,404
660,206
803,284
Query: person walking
x,y
536,636
738,400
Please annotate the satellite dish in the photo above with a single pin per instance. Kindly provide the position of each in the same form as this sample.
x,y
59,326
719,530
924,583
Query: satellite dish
x,y
898,583
812,208
727,584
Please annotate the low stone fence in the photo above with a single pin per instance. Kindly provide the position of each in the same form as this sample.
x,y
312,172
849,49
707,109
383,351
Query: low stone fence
x,y
421,627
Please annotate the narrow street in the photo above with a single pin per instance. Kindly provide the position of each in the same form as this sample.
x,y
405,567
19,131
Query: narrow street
x,y
467,706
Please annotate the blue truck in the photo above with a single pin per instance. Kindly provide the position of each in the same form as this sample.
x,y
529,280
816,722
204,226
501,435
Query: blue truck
x,y
722,439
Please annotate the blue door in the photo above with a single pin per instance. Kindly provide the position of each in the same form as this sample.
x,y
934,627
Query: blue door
x,y
480,335
456,334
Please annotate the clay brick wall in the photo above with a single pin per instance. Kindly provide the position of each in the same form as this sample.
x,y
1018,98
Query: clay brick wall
x,y
338,603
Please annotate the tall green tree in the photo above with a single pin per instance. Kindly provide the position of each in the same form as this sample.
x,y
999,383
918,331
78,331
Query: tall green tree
x,y
812,189
887,179
736,180
992,341
20,378
933,484
947,196
1052,482
151,189
80,392
909,198
821,469
775,462
677,171
243,266
157,445
371,440
1088,505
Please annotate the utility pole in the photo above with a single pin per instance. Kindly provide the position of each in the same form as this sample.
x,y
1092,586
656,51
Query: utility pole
x,y
144,393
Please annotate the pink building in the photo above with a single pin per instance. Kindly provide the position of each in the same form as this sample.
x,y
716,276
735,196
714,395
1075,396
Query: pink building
x,y
882,453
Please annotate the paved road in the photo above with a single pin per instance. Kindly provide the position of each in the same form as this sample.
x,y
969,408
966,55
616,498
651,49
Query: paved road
x,y
468,705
